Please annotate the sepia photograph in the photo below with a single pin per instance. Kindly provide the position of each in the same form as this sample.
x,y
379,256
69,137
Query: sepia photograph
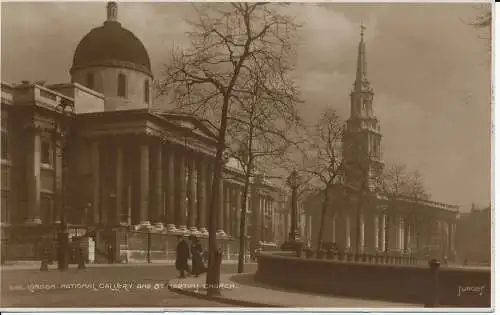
x,y
178,155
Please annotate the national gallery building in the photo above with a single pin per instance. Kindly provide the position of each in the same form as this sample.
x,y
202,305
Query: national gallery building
x,y
92,153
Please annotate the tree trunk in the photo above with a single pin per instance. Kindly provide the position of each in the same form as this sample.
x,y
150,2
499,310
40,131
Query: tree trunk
x,y
322,222
213,272
243,224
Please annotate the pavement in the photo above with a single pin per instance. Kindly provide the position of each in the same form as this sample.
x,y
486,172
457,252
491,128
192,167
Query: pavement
x,y
242,290
99,286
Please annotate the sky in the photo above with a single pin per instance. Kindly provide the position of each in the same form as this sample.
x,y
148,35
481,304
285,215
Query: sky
x,y
429,70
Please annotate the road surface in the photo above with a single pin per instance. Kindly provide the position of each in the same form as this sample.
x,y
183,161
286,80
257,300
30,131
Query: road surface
x,y
107,286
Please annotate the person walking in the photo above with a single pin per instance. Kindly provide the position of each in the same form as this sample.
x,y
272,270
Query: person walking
x,y
181,257
198,265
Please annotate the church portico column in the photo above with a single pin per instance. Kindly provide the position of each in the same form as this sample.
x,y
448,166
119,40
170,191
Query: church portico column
x,y
382,233
180,195
33,172
347,232
191,193
201,194
170,195
144,184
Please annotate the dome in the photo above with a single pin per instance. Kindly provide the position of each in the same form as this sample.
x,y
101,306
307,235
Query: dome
x,y
111,45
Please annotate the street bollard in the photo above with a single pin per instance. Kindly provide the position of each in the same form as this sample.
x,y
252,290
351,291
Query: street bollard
x,y
45,259
433,298
349,256
364,257
81,258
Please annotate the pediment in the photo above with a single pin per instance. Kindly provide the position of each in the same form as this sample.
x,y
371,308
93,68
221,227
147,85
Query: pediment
x,y
196,124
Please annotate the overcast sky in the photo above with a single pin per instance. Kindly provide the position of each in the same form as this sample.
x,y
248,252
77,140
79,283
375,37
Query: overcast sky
x,y
429,70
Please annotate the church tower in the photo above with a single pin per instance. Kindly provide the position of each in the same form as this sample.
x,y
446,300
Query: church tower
x,y
362,136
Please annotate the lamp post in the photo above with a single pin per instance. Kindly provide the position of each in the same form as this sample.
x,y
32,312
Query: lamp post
x,y
293,242
62,126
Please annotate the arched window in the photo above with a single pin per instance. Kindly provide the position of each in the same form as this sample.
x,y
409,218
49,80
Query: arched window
x,y
90,80
146,91
122,85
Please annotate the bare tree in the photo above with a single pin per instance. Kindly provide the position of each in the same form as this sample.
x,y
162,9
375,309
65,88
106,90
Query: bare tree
x,y
259,132
324,160
232,44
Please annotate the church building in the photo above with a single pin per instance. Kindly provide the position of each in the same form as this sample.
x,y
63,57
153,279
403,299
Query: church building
x,y
359,217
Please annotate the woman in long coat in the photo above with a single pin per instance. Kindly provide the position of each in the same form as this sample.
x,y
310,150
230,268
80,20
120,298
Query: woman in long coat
x,y
197,257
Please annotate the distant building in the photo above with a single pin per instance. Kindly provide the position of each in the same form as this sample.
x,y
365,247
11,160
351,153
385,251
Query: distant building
x,y
474,236
124,165
380,223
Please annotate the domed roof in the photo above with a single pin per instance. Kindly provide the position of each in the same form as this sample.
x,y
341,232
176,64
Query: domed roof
x,y
111,45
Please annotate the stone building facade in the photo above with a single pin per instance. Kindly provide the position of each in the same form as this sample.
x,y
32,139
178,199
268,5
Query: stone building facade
x,y
359,218
111,160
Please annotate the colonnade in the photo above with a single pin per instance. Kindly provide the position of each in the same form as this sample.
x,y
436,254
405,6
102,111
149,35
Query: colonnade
x,y
381,232
171,184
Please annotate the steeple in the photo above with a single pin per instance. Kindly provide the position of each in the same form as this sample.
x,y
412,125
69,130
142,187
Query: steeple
x,y
112,12
362,137
361,83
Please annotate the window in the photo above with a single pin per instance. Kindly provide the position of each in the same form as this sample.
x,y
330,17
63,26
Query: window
x,y
90,80
45,154
5,145
146,91
122,85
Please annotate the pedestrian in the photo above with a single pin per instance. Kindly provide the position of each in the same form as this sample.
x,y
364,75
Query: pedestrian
x,y
181,257
198,265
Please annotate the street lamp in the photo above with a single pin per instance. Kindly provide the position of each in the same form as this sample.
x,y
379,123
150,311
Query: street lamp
x,y
293,242
62,128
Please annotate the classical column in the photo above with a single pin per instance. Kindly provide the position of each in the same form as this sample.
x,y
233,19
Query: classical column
x,y
158,189
119,182
407,235
201,194
94,151
180,196
220,208
228,209
361,223
144,191
33,172
171,191
347,231
191,186
375,233
239,196
452,238
381,233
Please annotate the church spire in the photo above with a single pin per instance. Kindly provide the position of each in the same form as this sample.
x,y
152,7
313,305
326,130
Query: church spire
x,y
361,79
112,11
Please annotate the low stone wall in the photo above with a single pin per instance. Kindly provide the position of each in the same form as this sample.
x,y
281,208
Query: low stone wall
x,y
456,287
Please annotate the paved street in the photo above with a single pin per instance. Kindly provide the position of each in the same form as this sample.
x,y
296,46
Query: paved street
x,y
119,286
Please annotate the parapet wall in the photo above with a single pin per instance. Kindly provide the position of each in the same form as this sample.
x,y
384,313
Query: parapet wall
x,y
456,287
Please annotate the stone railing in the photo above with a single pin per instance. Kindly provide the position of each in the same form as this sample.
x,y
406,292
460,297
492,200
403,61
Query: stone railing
x,y
415,284
378,258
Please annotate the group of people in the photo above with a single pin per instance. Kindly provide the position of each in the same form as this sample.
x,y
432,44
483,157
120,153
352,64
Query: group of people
x,y
194,251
